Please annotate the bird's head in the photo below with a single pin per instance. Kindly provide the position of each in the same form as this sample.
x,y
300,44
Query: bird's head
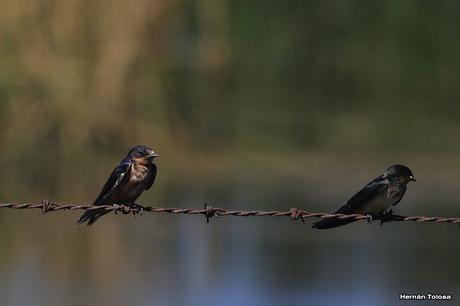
x,y
401,173
142,154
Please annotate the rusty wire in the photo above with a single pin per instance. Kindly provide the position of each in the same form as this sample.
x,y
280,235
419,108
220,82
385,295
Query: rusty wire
x,y
209,212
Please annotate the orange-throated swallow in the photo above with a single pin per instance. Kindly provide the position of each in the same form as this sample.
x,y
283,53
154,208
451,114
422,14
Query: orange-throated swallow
x,y
135,173
375,198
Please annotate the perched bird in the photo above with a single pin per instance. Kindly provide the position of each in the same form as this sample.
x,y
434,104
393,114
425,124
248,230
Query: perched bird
x,y
375,198
135,173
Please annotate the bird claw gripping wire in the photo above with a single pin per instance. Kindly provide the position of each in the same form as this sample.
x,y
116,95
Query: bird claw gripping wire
x,y
116,208
370,218
386,216
120,208
138,209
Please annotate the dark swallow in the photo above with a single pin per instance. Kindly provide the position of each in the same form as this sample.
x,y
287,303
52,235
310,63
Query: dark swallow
x,y
375,198
135,173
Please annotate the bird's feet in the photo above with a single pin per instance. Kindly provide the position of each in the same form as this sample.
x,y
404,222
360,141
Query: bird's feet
x,y
370,218
122,208
386,216
116,209
137,209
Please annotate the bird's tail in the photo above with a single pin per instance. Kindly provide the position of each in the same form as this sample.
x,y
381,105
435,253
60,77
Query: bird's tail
x,y
331,223
91,216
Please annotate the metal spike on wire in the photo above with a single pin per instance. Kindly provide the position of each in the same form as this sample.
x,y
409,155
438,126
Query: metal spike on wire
x,y
209,212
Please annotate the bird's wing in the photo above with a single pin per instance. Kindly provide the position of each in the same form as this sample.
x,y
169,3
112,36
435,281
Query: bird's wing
x,y
120,172
151,179
369,192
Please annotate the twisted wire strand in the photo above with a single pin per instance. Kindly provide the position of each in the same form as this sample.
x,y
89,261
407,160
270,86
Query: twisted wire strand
x,y
209,212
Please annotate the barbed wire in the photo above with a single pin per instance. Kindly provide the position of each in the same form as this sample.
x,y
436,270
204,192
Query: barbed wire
x,y
294,213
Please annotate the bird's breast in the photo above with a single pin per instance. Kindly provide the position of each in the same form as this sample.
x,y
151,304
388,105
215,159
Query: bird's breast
x,y
133,186
383,201
378,204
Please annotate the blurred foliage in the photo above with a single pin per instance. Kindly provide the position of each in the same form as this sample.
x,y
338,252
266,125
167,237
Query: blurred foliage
x,y
93,75
245,101
81,80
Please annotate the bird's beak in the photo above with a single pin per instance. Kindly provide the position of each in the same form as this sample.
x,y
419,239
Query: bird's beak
x,y
412,178
153,154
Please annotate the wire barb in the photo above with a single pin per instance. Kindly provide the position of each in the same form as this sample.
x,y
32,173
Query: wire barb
x,y
296,214
46,206
209,212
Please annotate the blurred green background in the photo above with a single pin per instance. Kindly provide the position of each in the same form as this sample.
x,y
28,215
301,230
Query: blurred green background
x,y
251,105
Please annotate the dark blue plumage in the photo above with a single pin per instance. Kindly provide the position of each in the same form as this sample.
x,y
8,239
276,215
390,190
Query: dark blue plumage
x,y
380,194
134,174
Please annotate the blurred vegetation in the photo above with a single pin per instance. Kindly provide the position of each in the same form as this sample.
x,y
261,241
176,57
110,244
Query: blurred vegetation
x,y
81,80
246,102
